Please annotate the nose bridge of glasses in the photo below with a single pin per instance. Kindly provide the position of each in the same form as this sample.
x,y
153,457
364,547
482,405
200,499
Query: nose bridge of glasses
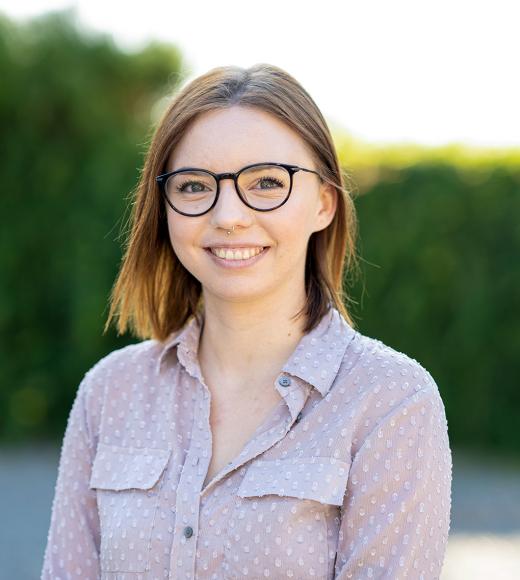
x,y
222,176
230,203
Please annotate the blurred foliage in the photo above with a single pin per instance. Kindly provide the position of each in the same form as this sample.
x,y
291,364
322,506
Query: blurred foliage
x,y
75,118
439,235
440,245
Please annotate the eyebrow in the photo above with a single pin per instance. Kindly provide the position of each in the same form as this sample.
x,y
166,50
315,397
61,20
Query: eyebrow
x,y
206,169
188,167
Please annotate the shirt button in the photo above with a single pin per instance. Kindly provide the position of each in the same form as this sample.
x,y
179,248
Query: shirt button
x,y
284,381
298,418
188,531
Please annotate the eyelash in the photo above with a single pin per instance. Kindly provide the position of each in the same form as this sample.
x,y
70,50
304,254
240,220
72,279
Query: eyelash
x,y
184,183
273,179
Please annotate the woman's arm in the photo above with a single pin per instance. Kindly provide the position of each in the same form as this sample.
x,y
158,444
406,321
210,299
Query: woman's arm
x,y
396,514
72,549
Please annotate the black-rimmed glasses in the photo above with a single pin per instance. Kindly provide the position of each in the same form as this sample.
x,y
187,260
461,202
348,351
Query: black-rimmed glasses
x,y
261,186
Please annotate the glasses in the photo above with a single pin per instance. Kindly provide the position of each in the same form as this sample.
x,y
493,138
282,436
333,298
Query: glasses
x,y
261,186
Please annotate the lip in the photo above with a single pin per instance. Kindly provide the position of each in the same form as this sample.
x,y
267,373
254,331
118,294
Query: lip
x,y
235,245
236,264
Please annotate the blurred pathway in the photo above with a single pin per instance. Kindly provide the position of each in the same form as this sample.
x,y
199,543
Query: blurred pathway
x,y
484,539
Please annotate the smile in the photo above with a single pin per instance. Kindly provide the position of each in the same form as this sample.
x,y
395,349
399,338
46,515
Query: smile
x,y
236,253
236,257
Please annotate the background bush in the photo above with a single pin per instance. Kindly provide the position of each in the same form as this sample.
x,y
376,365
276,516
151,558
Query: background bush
x,y
74,119
440,245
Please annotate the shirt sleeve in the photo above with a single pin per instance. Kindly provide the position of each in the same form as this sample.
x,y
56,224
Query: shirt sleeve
x,y
396,512
72,549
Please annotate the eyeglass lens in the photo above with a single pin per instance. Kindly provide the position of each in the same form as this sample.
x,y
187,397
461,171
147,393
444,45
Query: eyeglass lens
x,y
263,187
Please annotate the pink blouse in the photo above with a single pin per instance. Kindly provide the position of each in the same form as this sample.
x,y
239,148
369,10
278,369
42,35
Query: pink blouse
x,y
349,477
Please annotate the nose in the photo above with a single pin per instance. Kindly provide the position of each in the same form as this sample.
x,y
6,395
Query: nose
x,y
229,210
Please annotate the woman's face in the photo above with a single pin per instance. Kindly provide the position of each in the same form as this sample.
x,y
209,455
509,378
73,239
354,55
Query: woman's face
x,y
225,141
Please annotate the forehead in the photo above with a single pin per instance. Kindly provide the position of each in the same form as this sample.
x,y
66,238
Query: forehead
x,y
228,139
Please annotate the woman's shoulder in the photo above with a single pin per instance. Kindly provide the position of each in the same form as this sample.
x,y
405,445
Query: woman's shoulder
x,y
382,379
115,376
124,363
381,392
370,355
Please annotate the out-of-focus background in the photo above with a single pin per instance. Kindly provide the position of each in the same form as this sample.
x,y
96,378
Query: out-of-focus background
x,y
422,100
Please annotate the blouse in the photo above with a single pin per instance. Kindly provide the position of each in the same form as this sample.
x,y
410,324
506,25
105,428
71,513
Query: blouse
x,y
348,477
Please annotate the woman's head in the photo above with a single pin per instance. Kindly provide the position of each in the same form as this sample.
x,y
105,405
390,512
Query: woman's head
x,y
221,121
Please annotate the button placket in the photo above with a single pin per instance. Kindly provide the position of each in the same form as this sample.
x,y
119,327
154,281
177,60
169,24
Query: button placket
x,y
188,531
182,558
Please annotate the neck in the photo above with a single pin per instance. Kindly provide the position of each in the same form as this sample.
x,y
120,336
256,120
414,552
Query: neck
x,y
243,346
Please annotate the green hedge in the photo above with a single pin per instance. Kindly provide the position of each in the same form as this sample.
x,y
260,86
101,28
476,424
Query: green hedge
x,y
75,117
440,245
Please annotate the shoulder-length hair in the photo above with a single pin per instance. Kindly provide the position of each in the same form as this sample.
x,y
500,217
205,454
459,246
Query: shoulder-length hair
x,y
154,294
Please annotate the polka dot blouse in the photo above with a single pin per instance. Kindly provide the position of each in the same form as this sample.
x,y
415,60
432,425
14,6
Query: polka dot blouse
x,y
348,477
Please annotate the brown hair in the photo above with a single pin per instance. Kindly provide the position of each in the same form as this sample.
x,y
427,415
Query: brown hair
x,y
154,294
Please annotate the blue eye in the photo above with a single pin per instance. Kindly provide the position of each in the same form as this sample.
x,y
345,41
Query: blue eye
x,y
273,181
188,182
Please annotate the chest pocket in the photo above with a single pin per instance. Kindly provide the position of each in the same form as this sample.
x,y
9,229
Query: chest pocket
x,y
127,480
278,526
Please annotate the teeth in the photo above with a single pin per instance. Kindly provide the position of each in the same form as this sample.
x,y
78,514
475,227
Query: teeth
x,y
236,254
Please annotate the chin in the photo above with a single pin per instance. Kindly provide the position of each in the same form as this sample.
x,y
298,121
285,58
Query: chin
x,y
236,295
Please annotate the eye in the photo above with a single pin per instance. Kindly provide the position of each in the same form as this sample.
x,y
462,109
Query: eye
x,y
181,188
272,182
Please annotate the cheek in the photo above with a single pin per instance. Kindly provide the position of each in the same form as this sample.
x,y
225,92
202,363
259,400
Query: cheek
x,y
293,231
175,234
180,238
174,241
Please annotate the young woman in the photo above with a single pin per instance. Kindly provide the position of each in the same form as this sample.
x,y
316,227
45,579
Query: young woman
x,y
253,432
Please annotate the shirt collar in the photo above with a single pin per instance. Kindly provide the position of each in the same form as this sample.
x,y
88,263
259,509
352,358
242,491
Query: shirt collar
x,y
318,356
316,359
186,339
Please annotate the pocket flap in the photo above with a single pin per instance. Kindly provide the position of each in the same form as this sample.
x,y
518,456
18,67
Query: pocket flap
x,y
322,479
117,467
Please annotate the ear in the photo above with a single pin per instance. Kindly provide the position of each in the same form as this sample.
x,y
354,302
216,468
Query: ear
x,y
327,204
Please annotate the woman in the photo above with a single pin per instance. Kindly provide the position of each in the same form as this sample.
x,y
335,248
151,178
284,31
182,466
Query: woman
x,y
253,432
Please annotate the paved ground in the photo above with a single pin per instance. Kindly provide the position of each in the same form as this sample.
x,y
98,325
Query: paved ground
x,y
484,538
